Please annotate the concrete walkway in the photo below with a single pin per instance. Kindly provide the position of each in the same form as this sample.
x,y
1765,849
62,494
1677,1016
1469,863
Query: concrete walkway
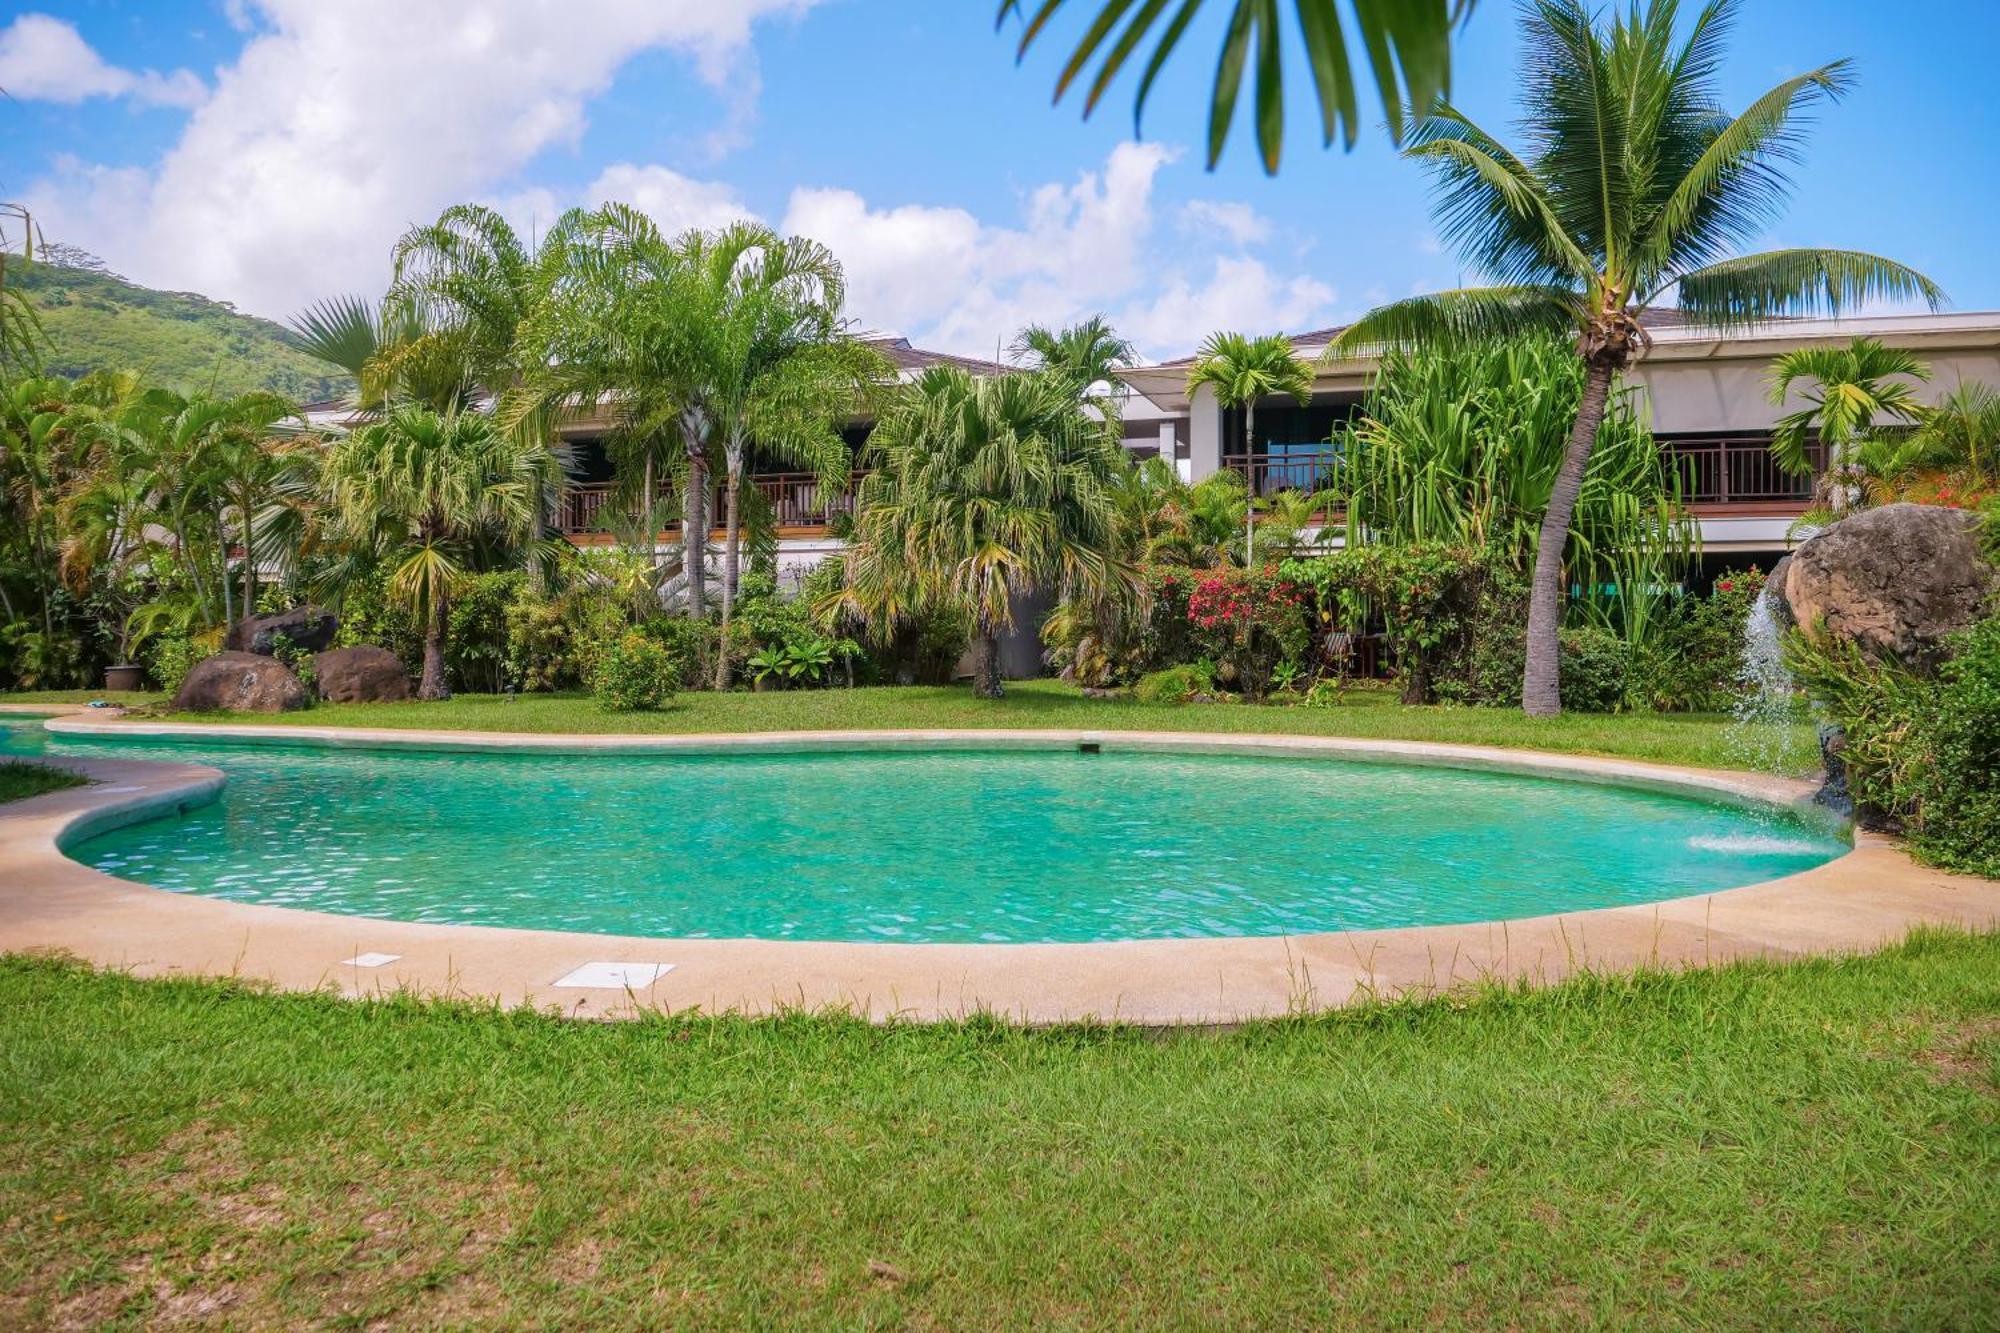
x,y
1869,897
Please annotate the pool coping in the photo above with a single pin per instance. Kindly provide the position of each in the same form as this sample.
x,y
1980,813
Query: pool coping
x,y
1872,895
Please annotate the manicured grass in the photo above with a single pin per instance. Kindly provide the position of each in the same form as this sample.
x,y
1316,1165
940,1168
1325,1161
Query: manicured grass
x,y
126,697
1761,1146
1701,739
20,779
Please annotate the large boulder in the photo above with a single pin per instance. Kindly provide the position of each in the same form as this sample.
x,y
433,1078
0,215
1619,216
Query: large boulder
x,y
1894,581
362,674
241,683
308,628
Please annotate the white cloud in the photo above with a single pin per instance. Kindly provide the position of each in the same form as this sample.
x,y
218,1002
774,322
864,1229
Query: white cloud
x,y
1239,293
677,203
44,59
339,125
1238,222
954,282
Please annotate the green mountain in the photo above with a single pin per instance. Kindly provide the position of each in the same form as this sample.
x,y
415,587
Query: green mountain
x,y
96,320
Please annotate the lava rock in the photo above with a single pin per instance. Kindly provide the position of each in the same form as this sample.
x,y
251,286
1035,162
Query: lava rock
x,y
240,683
309,628
361,674
1894,581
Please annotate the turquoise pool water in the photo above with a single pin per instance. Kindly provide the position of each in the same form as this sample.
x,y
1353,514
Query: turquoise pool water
x,y
960,847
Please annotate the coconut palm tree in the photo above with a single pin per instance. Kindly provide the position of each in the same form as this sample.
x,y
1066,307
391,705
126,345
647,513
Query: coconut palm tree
x,y
981,490
1634,189
1085,354
1407,44
1851,388
422,493
1243,370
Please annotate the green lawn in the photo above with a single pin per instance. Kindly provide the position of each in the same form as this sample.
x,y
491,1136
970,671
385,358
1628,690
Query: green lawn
x,y
1761,1146
20,779
128,697
1702,739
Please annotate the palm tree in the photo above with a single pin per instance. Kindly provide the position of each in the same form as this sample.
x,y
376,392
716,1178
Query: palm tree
x,y
246,462
388,350
1243,370
472,282
422,493
1086,354
1852,387
623,328
983,489
1634,189
1407,44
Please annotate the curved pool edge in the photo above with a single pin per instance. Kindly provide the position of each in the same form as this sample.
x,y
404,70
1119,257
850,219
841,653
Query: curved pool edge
x,y
1872,895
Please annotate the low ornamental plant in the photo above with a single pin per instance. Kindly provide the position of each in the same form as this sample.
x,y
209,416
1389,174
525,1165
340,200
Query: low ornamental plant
x,y
1250,621
635,674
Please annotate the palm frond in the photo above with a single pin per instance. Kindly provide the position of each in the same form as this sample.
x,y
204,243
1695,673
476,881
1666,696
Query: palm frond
x,y
1407,46
1754,288
1469,313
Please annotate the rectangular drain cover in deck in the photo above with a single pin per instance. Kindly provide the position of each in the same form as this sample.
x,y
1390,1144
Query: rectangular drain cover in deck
x,y
370,960
616,976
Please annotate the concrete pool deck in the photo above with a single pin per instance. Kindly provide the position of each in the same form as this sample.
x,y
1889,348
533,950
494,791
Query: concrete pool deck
x,y
1869,897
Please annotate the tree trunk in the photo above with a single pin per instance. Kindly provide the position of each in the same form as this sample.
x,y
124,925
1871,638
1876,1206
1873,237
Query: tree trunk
x,y
652,529
432,687
731,555
986,661
1541,683
1249,483
222,549
249,568
694,534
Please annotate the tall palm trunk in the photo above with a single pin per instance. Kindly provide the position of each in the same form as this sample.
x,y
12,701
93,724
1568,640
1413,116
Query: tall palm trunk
x,y
432,686
986,660
652,528
1541,683
249,566
1249,483
222,550
732,534
694,510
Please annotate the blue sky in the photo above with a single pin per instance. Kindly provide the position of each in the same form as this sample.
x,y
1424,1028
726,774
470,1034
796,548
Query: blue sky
x,y
268,152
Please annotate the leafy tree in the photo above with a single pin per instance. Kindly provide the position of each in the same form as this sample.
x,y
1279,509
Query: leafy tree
x,y
1243,370
1407,44
1633,191
423,495
981,490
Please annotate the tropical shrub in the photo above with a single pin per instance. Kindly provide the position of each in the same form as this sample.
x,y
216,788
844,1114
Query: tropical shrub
x,y
1422,595
476,653
691,645
1691,660
634,674
1249,622
1922,753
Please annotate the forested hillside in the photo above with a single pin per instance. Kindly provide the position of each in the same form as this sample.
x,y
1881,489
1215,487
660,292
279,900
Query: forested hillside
x,y
96,320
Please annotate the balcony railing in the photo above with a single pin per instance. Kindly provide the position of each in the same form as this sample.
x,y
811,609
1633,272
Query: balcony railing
x,y
1269,473
1715,470
1739,470
797,500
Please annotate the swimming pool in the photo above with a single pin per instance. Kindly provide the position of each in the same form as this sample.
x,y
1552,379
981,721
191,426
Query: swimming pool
x,y
923,847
